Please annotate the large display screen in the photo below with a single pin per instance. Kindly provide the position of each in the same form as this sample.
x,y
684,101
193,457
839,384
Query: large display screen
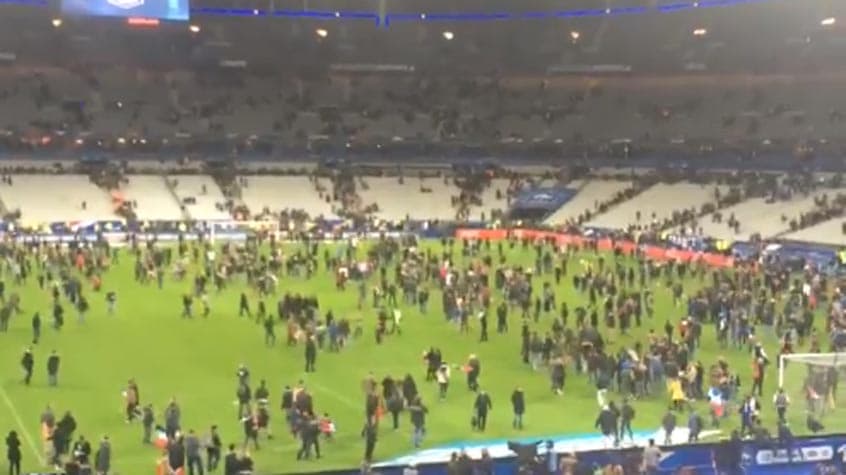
x,y
159,9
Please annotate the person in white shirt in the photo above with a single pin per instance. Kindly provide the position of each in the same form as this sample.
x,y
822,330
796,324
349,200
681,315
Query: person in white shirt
x,y
397,319
442,376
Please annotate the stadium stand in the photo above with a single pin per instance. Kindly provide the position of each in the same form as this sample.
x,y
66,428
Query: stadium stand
x,y
591,194
46,198
655,206
200,196
396,200
763,217
150,197
275,193
827,232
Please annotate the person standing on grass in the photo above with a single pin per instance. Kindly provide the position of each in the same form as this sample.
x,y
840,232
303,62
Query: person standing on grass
x,y
147,420
370,433
172,417
176,454
53,369
394,404
627,415
442,376
309,437
133,400
231,464
81,308
269,332
103,457
58,315
418,420
310,354
518,406
27,363
111,302
187,302
473,369
213,449
482,405
13,453
192,453
250,422
36,328
244,306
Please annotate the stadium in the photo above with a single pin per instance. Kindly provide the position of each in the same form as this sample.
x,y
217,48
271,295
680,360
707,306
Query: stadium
x,y
382,237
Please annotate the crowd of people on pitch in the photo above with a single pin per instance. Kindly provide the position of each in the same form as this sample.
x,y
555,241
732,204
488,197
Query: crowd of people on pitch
x,y
746,307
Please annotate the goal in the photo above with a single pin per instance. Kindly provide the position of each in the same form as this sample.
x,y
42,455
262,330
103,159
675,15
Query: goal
x,y
815,384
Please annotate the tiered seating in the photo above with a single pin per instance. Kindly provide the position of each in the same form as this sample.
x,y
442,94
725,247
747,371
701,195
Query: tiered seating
x,y
284,192
49,198
490,201
655,205
587,199
200,195
397,201
151,197
758,216
828,232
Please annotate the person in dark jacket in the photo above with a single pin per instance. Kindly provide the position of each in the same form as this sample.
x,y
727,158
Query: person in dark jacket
x,y
394,405
474,370
53,369
27,363
409,389
668,423
518,405
192,453
418,420
36,328
482,405
82,451
13,453
103,457
694,426
62,435
213,449
310,354
370,435
176,454
231,464
627,415
606,422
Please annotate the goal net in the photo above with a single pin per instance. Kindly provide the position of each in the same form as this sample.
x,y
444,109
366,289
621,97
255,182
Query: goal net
x,y
814,384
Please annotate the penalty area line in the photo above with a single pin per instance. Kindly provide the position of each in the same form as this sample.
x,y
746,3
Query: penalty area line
x,y
24,432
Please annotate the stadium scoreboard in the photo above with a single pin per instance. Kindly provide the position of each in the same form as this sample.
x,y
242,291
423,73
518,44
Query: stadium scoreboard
x,y
176,10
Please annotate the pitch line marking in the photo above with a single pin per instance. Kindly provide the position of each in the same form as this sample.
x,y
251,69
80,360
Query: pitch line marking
x,y
24,432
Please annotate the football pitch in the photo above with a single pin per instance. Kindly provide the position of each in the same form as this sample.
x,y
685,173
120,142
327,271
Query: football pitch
x,y
195,360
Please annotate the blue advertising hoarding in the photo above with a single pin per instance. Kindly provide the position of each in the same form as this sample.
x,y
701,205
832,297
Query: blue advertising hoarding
x,y
803,456
158,9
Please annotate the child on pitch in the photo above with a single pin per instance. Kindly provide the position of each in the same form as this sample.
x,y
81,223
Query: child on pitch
x,y
327,426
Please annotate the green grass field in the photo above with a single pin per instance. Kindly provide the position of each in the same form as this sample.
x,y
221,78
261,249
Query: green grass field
x,y
195,362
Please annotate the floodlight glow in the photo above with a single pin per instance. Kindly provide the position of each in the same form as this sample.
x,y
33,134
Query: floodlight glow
x,y
828,21
700,32
57,22
321,32
448,35
194,28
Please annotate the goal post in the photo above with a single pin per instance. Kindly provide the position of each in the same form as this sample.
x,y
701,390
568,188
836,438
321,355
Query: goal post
x,y
814,383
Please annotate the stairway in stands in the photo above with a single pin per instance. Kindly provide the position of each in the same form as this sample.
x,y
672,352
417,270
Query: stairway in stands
x,y
169,183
